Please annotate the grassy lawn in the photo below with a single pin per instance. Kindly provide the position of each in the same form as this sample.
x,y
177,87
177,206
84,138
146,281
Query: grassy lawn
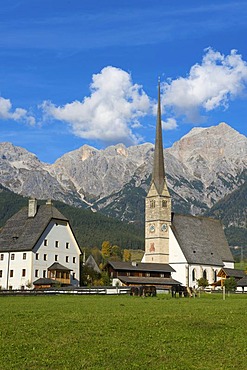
x,y
122,332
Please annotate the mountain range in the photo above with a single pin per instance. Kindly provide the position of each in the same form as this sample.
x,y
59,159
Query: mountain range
x,y
204,169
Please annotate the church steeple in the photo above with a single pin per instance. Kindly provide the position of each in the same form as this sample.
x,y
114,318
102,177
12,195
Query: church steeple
x,y
157,204
158,176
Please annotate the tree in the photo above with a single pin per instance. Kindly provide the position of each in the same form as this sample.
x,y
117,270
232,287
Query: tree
x,y
202,282
230,284
106,249
126,255
89,276
116,253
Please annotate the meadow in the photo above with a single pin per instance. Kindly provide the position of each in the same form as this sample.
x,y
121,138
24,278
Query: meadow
x,y
123,332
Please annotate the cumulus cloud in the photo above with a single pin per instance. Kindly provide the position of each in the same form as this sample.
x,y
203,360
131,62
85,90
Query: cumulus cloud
x,y
111,111
19,114
209,85
169,124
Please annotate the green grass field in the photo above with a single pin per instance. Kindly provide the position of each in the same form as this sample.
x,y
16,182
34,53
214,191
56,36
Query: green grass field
x,y
123,332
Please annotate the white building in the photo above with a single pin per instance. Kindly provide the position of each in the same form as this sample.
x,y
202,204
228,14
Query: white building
x,y
37,243
194,247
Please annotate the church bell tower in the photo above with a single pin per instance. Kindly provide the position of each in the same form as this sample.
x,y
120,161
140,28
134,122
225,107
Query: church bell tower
x,y
157,204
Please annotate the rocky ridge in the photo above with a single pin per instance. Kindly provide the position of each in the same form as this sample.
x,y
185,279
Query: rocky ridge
x,y
202,168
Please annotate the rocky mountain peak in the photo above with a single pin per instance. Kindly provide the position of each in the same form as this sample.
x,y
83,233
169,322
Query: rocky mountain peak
x,y
202,167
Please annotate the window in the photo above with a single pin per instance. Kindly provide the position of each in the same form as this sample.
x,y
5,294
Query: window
x,y
45,257
67,259
147,274
56,243
152,203
45,242
23,272
2,257
44,273
36,273
67,245
56,257
73,276
205,274
11,273
24,256
1,273
162,275
12,256
37,256
193,275
215,275
74,259
164,203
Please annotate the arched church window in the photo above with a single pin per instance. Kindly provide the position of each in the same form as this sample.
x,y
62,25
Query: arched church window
x,y
204,274
152,203
193,274
164,203
215,275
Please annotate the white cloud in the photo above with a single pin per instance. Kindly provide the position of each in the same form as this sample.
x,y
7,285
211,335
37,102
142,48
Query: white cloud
x,y
19,114
169,124
115,105
209,85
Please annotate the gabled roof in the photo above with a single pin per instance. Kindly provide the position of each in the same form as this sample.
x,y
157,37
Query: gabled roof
x,y
139,266
58,267
243,281
232,272
21,232
202,240
90,262
148,280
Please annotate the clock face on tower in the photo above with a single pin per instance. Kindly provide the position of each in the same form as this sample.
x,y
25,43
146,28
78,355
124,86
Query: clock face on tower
x,y
151,228
164,227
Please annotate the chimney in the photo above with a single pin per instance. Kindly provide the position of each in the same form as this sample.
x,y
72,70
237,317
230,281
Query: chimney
x,y
32,207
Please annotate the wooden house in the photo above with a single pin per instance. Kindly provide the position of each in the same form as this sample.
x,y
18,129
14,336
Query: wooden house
x,y
141,274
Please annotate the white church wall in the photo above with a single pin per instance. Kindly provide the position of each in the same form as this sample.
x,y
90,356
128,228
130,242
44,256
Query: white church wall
x,y
177,259
198,271
229,265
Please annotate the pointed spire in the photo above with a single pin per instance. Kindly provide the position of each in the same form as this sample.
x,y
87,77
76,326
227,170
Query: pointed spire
x,y
158,176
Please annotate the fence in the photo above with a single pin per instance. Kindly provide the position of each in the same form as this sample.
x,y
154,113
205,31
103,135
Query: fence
x,y
73,291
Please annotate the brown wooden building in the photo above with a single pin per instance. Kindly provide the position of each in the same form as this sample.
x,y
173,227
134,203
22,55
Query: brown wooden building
x,y
141,274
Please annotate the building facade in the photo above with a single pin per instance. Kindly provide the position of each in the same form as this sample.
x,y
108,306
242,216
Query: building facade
x,y
33,240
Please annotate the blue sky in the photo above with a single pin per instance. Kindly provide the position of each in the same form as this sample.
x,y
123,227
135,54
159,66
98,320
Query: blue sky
x,y
78,72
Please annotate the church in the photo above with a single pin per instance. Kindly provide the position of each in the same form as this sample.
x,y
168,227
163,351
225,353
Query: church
x,y
193,246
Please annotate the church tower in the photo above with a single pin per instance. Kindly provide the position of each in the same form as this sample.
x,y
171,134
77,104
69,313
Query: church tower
x,y
157,204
